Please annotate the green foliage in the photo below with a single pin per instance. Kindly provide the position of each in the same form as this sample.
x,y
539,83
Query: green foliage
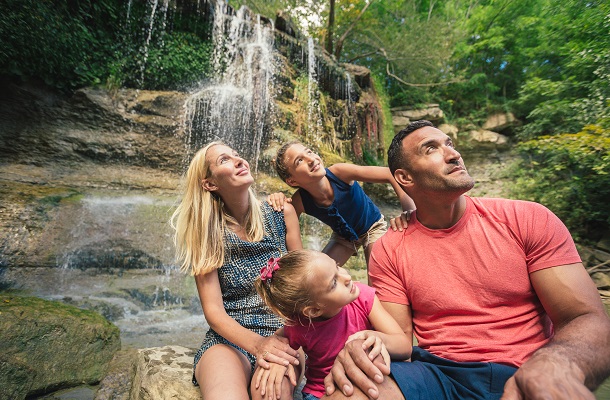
x,y
570,174
388,127
370,157
70,44
182,61
61,42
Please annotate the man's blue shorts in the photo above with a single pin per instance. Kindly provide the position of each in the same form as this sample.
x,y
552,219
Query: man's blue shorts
x,y
429,377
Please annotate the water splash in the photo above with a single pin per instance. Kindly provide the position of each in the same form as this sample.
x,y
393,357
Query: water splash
x,y
237,105
116,232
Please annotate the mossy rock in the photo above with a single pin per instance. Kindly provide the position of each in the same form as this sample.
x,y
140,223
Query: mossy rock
x,y
47,345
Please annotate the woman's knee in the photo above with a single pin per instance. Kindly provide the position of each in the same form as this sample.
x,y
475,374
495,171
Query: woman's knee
x,y
224,373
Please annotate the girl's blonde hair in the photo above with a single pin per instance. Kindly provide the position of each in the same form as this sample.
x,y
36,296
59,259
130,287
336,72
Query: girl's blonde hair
x,y
287,292
200,220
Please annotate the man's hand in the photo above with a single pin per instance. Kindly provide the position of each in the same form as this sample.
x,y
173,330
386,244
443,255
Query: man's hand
x,y
544,377
353,365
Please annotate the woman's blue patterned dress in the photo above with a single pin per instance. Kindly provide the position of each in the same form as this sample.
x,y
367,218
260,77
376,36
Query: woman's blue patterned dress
x,y
243,262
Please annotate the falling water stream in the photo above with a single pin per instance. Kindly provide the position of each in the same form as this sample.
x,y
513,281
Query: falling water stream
x,y
236,106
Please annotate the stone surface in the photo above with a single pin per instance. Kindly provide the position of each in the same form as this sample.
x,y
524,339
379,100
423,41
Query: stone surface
x,y
484,139
500,121
165,373
48,345
118,382
450,130
431,112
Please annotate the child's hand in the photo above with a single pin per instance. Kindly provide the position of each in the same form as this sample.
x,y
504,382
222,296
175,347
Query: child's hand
x,y
374,342
277,200
401,222
269,381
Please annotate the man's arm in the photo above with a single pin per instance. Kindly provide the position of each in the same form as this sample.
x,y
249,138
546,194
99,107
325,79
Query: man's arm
x,y
577,359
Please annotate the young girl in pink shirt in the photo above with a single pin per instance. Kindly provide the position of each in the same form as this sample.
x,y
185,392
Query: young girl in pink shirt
x,y
322,309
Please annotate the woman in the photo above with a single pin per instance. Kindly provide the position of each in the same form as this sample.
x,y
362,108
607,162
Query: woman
x,y
224,235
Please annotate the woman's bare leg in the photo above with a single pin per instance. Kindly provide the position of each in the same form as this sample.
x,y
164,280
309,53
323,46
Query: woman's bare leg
x,y
223,373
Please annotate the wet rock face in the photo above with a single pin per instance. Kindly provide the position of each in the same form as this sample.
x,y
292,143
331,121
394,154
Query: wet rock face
x,y
82,344
130,127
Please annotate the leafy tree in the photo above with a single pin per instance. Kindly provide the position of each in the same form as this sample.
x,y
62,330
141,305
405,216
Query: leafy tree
x,y
569,173
568,77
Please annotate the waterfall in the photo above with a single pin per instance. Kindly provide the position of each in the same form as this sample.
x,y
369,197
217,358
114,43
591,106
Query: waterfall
x,y
314,119
236,106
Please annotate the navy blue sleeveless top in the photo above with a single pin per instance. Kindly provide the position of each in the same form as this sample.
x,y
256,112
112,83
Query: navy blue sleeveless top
x,y
351,213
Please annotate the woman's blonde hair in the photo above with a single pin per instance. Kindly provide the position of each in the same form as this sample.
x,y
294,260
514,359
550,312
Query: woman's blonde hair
x,y
287,293
200,220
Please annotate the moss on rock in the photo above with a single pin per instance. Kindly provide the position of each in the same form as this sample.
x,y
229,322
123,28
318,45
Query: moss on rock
x,y
47,345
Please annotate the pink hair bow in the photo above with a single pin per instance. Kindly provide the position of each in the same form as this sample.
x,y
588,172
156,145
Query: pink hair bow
x,y
268,270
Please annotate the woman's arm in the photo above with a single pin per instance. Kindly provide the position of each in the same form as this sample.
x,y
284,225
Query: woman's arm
x,y
293,231
351,172
276,349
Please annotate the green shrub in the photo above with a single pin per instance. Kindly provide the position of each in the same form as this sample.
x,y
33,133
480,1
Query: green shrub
x,y
570,174
182,60
71,44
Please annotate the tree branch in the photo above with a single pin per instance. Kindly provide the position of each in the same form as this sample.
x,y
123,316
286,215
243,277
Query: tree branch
x,y
339,45
390,74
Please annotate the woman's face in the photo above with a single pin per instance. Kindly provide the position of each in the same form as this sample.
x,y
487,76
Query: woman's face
x,y
228,171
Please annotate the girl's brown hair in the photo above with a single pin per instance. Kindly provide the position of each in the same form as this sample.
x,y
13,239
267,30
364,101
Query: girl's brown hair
x,y
280,164
287,292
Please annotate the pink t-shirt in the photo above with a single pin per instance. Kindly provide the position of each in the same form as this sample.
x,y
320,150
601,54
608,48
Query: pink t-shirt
x,y
322,340
468,286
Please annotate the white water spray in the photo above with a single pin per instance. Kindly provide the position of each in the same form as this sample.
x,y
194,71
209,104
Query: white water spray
x,y
236,105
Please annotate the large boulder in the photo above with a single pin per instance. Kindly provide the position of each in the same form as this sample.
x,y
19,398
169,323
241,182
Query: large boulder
x,y
500,121
165,373
430,112
48,345
484,140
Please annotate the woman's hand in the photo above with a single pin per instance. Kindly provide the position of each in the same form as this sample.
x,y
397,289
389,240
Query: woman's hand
x,y
401,222
277,200
275,349
374,342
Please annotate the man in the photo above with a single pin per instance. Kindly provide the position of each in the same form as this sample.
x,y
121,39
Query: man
x,y
494,290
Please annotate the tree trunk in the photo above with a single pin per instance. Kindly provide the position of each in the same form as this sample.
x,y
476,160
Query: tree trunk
x,y
331,25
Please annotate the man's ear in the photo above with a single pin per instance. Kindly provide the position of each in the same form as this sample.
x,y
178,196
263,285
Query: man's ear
x,y
403,177
208,185
312,312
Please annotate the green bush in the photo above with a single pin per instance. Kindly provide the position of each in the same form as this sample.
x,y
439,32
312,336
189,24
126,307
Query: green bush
x,y
182,60
570,174
66,44
71,44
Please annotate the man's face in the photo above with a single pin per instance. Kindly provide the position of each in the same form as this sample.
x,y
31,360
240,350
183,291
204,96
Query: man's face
x,y
434,163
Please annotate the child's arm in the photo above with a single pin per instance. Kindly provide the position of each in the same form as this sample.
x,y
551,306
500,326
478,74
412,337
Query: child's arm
x,y
397,342
351,172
